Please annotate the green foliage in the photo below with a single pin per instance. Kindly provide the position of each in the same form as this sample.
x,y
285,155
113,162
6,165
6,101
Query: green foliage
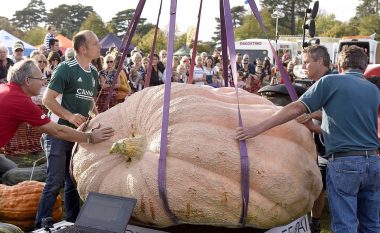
x,y
6,25
122,21
68,19
237,14
216,36
146,41
251,28
369,24
30,16
94,23
35,36
207,47
180,41
367,7
293,9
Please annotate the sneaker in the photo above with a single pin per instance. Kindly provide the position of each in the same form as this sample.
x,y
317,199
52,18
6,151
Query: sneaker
x,y
315,227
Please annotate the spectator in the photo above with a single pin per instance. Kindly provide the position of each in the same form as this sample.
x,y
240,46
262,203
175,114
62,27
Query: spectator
x,y
5,63
204,57
316,61
33,53
216,55
51,33
163,54
69,54
209,70
43,49
18,51
136,82
199,76
350,139
136,62
180,75
53,60
247,65
54,46
76,83
157,72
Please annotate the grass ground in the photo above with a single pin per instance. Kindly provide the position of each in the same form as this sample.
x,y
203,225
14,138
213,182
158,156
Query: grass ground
x,y
28,160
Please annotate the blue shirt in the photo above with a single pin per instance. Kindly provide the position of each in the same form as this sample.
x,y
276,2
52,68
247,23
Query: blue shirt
x,y
349,106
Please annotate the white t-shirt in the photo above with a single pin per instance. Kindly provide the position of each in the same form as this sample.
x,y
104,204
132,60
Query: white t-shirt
x,y
198,74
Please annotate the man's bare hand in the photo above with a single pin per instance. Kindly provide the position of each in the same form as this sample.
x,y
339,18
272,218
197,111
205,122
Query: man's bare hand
x,y
100,134
77,119
243,133
303,118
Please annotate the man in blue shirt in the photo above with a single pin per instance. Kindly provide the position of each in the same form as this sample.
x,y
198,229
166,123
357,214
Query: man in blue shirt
x,y
349,106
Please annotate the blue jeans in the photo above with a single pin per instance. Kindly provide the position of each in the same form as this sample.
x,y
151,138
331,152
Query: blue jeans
x,y
58,155
353,187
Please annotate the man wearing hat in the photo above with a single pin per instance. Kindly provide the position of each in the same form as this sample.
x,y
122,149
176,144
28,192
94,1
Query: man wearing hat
x,y
18,51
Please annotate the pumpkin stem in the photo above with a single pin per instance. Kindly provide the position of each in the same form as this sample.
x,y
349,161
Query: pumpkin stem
x,y
132,147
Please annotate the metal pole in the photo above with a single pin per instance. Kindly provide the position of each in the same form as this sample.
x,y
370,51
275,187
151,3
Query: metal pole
x,y
276,33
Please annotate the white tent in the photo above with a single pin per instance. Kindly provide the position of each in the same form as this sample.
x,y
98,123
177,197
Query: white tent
x,y
8,40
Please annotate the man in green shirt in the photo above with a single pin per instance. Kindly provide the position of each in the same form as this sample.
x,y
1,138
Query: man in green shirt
x,y
70,99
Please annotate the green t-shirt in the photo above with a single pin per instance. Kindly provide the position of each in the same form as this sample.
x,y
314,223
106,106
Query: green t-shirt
x,y
76,86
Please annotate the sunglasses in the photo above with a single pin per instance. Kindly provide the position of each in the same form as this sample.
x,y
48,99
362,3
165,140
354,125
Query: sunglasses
x,y
55,59
19,50
42,62
43,78
109,62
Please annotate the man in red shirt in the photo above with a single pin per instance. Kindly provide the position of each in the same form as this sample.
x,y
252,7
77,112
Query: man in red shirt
x,y
25,80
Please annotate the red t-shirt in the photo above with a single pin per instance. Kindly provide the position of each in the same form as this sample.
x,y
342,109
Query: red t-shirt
x,y
15,108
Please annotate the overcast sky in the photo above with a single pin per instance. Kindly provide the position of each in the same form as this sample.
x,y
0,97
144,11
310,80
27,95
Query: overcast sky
x,y
187,10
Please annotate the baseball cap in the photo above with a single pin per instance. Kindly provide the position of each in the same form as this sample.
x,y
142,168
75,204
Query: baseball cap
x,y
18,46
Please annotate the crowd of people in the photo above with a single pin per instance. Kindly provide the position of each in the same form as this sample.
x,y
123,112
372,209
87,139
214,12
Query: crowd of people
x,y
76,85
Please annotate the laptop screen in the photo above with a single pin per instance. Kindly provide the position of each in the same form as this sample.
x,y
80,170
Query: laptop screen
x,y
106,212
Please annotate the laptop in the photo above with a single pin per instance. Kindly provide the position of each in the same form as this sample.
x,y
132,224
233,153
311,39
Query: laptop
x,y
103,213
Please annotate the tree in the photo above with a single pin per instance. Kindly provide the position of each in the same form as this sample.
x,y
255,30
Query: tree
x,y
146,41
123,19
369,24
68,19
6,25
251,28
34,36
237,14
94,23
216,37
31,16
292,10
367,7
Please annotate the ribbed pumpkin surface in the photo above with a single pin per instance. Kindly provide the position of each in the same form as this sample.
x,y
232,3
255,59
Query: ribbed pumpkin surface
x,y
203,163
18,204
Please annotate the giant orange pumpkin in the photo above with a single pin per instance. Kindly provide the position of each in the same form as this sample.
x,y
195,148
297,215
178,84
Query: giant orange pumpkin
x,y
203,163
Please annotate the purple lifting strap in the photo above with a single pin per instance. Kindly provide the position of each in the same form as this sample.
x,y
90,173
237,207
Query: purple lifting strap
x,y
243,147
224,44
126,42
149,70
195,46
292,92
165,117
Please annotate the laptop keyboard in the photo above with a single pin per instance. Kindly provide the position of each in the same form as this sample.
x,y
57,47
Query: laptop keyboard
x,y
72,229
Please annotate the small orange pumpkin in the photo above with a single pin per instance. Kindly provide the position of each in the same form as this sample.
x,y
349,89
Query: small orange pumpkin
x,y
18,204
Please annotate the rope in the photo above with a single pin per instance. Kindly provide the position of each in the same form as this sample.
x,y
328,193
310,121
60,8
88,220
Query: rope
x,y
165,118
195,46
243,147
